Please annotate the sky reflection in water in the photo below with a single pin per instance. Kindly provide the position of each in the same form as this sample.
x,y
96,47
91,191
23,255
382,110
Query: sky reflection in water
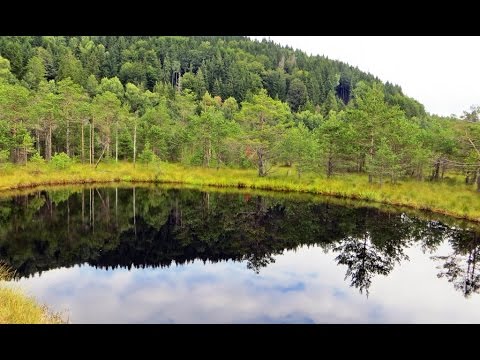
x,y
305,286
236,258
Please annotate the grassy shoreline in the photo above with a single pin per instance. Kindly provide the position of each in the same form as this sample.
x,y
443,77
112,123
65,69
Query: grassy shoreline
x,y
450,197
18,308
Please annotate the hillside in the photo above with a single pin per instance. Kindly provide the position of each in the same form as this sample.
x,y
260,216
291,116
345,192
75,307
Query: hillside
x,y
218,102
223,66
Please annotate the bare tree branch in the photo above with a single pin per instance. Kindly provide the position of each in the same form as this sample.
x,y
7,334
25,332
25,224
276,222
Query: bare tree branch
x,y
472,143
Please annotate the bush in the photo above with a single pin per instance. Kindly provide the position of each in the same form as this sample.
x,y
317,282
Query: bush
x,y
61,161
4,156
37,159
147,155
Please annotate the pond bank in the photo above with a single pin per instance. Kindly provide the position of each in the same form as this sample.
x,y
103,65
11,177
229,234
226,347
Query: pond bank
x,y
17,308
450,197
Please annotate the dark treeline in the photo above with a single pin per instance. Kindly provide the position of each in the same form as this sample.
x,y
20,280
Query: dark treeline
x,y
110,228
218,101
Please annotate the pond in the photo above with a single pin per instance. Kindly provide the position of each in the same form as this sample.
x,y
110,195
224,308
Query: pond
x,y
155,254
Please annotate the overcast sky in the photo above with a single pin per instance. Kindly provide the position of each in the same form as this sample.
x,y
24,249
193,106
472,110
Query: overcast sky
x,y
443,72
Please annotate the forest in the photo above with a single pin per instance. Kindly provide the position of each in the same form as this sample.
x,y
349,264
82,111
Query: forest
x,y
219,102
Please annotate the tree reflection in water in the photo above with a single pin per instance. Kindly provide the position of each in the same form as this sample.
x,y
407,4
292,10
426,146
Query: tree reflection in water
x,y
364,260
140,227
460,267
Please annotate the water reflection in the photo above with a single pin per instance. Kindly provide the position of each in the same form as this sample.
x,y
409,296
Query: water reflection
x,y
460,267
235,234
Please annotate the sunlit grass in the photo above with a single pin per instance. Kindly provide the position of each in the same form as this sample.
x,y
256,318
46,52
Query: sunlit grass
x,y
451,197
17,308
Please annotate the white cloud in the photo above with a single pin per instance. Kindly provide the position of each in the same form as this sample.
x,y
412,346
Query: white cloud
x,y
441,72
300,286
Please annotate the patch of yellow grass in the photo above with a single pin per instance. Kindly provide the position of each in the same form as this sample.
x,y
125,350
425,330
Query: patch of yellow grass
x,y
16,308
453,198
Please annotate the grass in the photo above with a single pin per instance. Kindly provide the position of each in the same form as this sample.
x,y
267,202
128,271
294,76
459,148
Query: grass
x,y
17,308
450,197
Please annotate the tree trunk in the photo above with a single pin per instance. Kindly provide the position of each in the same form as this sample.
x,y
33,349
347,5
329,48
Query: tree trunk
x,y
90,145
38,141
207,153
50,137
116,142
93,211
436,170
116,207
90,207
134,142
478,181
134,214
92,142
83,207
108,146
261,163
48,144
68,218
474,176
68,137
83,144
370,177
361,162
329,167
101,155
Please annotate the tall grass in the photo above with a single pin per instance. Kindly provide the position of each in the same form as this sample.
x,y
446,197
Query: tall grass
x,y
17,308
451,197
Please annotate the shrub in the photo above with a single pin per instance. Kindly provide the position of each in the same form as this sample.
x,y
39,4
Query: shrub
x,y
147,155
4,155
61,161
37,159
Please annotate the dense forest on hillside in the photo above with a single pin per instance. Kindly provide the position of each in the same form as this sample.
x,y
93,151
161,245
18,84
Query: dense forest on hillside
x,y
216,102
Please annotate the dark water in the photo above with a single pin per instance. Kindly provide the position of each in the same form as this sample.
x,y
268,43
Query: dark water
x,y
182,256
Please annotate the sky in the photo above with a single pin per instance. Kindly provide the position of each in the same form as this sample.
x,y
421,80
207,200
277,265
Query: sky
x,y
302,286
442,72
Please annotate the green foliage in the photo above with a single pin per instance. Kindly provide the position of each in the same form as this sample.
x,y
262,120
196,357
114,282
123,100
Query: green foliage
x,y
5,71
112,85
61,161
336,141
281,106
4,156
385,163
264,121
133,73
35,72
71,67
230,108
92,85
297,94
299,147
37,159
194,82
310,119
147,156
